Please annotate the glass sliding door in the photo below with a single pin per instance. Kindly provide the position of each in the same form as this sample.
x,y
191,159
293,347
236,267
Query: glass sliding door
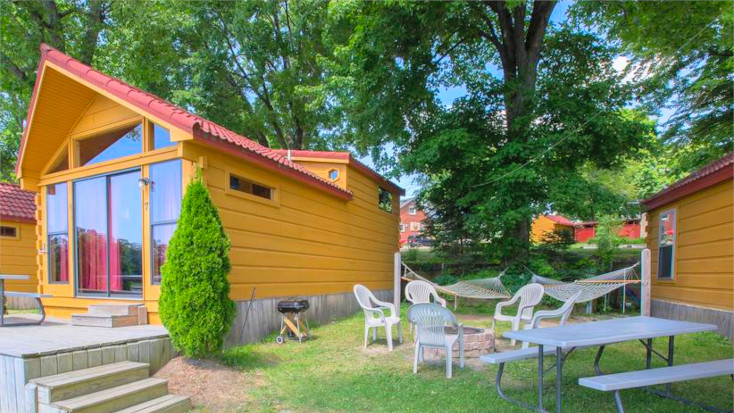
x,y
108,229
165,207
126,237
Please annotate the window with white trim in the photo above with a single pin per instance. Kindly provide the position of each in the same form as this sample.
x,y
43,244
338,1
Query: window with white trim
x,y
666,245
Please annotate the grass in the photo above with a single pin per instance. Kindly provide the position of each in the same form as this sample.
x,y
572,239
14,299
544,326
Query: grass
x,y
333,372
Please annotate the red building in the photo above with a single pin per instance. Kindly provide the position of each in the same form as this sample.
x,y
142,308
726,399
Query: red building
x,y
411,219
585,230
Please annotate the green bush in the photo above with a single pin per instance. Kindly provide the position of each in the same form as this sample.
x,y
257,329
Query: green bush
x,y
607,239
194,304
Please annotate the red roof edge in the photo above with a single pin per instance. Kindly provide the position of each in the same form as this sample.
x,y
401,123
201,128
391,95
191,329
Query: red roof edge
x,y
717,171
560,219
344,156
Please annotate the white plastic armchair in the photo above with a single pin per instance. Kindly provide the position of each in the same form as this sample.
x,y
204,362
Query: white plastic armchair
x,y
421,292
374,315
528,296
563,312
430,321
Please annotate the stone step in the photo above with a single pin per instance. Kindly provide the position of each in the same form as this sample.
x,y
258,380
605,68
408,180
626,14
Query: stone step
x,y
104,320
80,382
115,398
115,309
166,404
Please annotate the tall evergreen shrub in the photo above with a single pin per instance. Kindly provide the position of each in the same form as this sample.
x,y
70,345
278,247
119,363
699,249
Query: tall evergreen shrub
x,y
194,304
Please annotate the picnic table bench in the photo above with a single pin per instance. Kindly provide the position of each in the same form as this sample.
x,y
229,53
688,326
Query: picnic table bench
x,y
662,375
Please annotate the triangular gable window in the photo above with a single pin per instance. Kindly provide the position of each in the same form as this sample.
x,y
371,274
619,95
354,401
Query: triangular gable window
x,y
62,161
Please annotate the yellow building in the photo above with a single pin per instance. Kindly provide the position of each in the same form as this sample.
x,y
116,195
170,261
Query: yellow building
x,y
691,238
545,225
18,241
110,163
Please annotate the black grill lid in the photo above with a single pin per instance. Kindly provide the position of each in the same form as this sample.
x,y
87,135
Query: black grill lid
x,y
289,306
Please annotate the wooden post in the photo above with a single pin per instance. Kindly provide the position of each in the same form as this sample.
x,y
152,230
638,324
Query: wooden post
x,y
396,286
645,285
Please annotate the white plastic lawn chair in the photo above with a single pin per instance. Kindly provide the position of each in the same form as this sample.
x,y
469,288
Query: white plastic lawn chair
x,y
421,292
374,315
529,296
563,312
430,321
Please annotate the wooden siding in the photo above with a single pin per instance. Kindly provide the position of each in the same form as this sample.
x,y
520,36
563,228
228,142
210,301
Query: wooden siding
x,y
307,243
18,256
704,249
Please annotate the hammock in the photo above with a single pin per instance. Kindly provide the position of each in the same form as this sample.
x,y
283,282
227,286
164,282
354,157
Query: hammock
x,y
483,289
591,288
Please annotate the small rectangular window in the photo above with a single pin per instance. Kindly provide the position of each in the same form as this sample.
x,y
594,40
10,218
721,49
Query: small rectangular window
x,y
412,210
384,199
239,184
402,227
8,232
161,137
666,245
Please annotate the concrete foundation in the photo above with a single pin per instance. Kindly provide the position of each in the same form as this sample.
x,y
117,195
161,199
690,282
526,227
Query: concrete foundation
x,y
678,311
264,317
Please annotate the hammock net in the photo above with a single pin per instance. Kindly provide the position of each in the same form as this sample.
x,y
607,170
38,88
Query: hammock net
x,y
591,288
484,288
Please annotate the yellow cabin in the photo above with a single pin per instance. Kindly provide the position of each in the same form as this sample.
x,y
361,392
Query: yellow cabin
x,y
18,242
110,163
545,225
691,238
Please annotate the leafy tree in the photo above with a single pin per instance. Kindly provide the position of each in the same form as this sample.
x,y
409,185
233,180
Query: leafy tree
x,y
682,52
194,304
541,103
607,239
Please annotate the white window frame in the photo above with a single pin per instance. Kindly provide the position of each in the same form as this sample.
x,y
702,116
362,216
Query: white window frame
x,y
412,210
415,226
674,215
402,227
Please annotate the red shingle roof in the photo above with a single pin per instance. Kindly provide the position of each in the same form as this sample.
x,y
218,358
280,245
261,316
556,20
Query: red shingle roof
x,y
17,204
559,219
711,174
202,129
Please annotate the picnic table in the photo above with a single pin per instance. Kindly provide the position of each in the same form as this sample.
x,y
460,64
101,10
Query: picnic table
x,y
600,334
4,293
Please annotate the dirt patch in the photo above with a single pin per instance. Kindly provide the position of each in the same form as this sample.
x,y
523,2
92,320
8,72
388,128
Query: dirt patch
x,y
210,385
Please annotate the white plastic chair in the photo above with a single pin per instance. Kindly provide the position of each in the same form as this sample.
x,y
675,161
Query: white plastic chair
x,y
430,321
374,315
563,312
529,296
421,292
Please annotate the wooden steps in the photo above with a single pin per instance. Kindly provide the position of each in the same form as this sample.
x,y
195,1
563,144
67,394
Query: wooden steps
x,y
112,315
124,386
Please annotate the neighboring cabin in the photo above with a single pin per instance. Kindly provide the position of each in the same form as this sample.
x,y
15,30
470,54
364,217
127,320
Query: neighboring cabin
x,y
411,219
545,225
630,228
18,241
691,237
110,164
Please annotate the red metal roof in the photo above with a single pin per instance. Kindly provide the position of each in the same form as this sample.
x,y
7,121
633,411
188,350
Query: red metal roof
x,y
202,129
711,174
559,219
342,156
16,204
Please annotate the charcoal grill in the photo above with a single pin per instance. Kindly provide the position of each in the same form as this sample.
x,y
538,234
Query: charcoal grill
x,y
290,321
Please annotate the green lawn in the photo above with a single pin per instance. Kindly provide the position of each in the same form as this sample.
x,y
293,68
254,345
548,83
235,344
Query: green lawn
x,y
333,372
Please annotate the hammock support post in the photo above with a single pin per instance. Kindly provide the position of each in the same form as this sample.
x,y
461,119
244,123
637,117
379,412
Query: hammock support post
x,y
396,281
645,287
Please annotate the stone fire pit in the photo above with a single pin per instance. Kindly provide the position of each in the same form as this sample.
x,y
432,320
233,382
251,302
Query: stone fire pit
x,y
477,342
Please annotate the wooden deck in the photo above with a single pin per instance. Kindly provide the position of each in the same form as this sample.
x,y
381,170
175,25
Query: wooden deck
x,y
30,352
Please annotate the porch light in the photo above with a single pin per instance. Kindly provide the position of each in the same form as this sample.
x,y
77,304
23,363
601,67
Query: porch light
x,y
143,182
